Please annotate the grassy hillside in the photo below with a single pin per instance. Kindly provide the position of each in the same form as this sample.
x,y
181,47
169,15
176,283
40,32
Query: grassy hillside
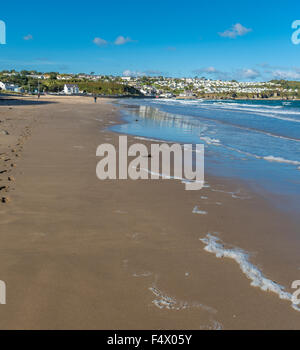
x,y
54,85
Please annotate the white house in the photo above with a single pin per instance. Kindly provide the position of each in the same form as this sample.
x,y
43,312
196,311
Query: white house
x,y
9,87
126,78
36,76
70,89
64,77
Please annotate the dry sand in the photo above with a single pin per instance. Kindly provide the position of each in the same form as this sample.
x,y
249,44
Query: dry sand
x,y
80,253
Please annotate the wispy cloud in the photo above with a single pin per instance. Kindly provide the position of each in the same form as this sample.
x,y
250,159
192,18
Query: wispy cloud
x,y
130,73
271,71
235,31
135,73
292,74
99,41
37,62
238,74
248,73
28,37
212,72
121,40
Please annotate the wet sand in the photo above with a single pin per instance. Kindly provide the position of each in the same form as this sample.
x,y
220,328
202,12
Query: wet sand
x,y
80,253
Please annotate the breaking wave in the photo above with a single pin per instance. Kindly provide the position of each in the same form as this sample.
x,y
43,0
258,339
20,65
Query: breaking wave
x,y
281,160
216,246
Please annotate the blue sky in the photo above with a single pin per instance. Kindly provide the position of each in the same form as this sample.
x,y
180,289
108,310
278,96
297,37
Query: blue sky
x,y
241,40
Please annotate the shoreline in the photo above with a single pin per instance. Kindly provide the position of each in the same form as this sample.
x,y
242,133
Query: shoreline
x,y
12,96
82,253
282,200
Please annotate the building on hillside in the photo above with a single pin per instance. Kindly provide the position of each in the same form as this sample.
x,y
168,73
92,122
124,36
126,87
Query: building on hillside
x,y
9,87
71,89
187,94
36,76
64,77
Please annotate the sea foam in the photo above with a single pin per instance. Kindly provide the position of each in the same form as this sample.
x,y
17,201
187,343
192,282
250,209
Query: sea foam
x,y
163,301
210,141
281,160
216,246
267,158
197,211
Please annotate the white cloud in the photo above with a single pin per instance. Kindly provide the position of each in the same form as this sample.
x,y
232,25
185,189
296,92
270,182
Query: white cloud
x,y
130,73
135,73
212,72
239,74
249,73
286,74
206,70
236,30
121,40
100,41
28,37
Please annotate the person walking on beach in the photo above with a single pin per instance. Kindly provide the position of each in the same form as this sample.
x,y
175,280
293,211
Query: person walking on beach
x,y
95,99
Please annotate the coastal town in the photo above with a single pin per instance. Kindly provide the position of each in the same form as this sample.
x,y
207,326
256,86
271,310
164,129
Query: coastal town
x,y
33,82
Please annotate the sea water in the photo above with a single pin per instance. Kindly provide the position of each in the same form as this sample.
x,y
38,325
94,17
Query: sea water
x,y
256,141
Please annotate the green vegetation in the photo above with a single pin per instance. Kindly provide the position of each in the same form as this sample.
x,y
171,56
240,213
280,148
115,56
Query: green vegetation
x,y
107,88
53,82
289,85
31,84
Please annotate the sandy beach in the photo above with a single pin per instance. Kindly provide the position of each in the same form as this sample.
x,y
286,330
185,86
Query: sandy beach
x,y
80,253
